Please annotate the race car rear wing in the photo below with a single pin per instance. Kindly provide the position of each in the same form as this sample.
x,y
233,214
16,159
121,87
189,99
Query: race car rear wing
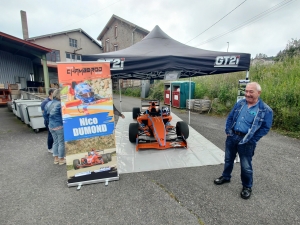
x,y
145,103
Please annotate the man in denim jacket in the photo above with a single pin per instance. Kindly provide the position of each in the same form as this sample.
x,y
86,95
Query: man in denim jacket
x,y
249,120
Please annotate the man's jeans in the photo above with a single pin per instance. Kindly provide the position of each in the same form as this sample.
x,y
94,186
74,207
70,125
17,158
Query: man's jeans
x,y
59,143
246,152
50,138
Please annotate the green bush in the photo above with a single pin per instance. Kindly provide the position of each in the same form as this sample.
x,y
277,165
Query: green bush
x,y
280,84
132,91
157,91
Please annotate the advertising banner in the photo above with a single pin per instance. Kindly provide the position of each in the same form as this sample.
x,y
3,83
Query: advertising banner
x,y
241,89
87,111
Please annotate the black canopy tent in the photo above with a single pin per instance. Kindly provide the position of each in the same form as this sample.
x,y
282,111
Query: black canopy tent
x,y
158,54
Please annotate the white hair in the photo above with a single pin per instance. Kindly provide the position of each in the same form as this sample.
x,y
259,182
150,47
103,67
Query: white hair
x,y
258,87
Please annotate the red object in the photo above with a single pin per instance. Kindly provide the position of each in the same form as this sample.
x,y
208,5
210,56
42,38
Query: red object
x,y
4,96
93,158
167,97
176,99
73,103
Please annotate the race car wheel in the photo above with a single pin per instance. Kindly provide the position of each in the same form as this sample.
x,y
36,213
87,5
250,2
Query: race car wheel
x,y
135,112
105,159
76,162
182,129
109,156
133,132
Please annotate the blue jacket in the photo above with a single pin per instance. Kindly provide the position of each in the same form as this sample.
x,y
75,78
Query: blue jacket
x,y
46,112
261,125
44,103
55,117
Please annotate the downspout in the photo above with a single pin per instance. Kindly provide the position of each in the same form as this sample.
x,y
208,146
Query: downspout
x,y
132,35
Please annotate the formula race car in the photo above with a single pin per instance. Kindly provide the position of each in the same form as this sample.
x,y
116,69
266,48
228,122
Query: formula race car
x,y
93,158
153,128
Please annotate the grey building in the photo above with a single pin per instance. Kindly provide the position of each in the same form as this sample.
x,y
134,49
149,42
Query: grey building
x,y
119,34
66,46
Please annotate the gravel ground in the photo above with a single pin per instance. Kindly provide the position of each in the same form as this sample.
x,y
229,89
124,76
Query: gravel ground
x,y
34,191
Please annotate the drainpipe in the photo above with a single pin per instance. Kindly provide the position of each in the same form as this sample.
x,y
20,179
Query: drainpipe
x,y
132,35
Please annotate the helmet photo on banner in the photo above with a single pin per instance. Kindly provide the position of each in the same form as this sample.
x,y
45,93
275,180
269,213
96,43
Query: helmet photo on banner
x,y
84,92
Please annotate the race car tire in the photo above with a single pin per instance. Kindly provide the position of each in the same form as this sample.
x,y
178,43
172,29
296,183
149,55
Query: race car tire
x,y
135,112
133,132
109,156
182,129
105,159
76,162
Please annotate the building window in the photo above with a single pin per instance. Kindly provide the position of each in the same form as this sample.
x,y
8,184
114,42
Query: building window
x,y
116,47
116,31
107,45
72,57
53,56
73,42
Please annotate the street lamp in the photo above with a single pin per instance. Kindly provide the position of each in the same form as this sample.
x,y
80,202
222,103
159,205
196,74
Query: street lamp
x,y
227,46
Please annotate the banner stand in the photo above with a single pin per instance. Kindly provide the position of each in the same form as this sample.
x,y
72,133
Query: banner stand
x,y
88,122
79,184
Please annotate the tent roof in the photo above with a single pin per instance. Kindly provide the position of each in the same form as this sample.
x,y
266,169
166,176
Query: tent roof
x,y
158,53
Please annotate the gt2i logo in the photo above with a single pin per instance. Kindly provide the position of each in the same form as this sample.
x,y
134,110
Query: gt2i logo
x,y
115,64
227,61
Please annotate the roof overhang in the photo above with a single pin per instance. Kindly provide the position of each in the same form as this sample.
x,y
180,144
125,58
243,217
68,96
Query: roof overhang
x,y
21,47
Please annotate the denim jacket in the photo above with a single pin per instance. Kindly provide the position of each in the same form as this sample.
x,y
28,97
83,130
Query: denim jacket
x,y
46,112
55,117
261,125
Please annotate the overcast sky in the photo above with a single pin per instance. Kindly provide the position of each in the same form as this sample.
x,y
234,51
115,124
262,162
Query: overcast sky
x,y
183,20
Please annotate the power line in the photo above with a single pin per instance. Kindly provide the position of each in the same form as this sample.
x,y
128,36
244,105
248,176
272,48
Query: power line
x,y
216,22
92,13
253,19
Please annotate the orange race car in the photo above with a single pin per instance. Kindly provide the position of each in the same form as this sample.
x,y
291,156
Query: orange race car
x,y
93,158
154,130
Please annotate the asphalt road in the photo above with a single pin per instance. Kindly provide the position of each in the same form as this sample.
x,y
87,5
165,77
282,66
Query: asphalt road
x,y
34,191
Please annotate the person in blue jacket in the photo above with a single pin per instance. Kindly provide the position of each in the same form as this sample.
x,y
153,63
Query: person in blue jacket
x,y
249,120
46,119
56,128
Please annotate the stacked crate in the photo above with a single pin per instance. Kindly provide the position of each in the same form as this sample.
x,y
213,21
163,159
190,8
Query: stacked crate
x,y
190,102
202,105
14,91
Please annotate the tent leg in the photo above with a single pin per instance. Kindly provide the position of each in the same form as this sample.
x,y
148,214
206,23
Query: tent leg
x,y
120,95
171,97
190,103
247,75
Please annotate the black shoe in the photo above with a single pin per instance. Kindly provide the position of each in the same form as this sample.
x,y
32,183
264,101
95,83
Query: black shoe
x,y
221,180
246,193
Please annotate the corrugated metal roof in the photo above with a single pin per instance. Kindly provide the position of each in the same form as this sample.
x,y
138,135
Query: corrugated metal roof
x,y
8,38
21,47
12,66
